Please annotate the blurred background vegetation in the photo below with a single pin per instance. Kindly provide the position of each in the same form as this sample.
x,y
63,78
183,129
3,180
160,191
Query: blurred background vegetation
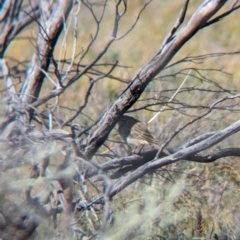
x,y
185,199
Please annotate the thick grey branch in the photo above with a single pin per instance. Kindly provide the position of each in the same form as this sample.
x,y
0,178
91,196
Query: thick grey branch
x,y
11,26
49,33
146,75
184,153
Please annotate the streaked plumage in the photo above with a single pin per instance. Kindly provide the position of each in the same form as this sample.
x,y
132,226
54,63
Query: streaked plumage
x,y
135,132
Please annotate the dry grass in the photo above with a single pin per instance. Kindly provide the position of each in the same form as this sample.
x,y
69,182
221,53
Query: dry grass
x,y
163,202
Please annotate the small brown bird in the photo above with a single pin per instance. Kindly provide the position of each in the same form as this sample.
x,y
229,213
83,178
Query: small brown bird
x,y
135,132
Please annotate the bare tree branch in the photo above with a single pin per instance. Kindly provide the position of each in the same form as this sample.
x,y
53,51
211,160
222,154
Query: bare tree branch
x,y
45,46
146,75
13,21
184,153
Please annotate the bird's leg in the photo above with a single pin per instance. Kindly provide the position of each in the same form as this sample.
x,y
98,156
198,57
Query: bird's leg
x,y
129,150
137,150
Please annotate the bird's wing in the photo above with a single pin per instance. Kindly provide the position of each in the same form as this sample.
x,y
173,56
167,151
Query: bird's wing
x,y
141,132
